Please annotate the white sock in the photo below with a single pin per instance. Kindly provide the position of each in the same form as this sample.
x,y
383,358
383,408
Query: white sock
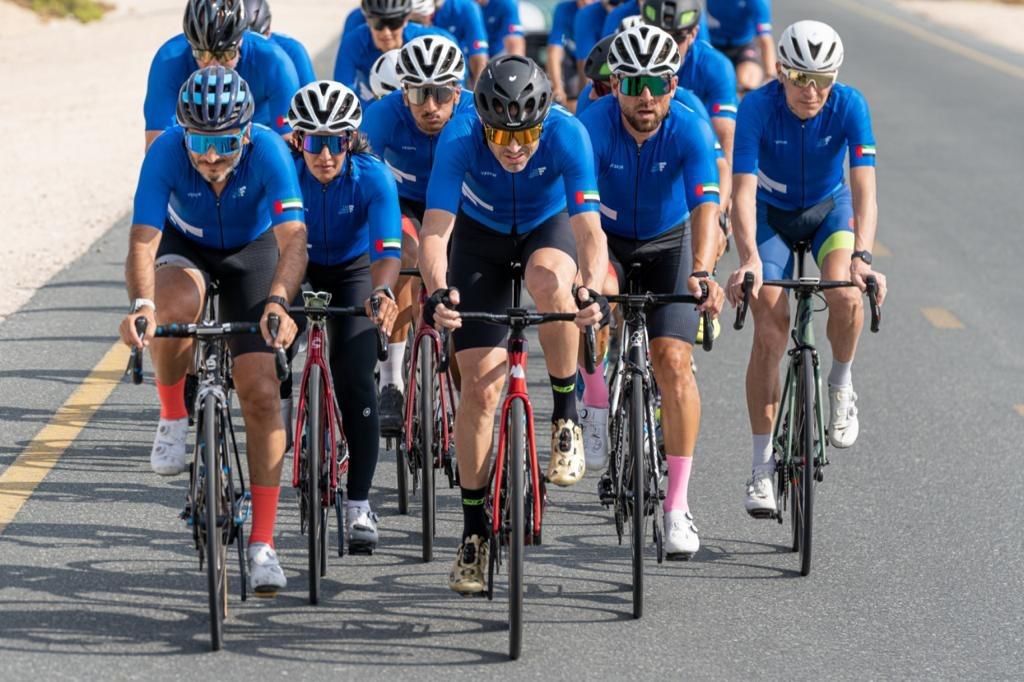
x,y
391,369
841,374
357,505
762,460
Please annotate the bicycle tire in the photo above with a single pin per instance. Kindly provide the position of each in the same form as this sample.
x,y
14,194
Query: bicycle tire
x,y
517,525
426,416
314,456
402,471
636,452
215,563
807,479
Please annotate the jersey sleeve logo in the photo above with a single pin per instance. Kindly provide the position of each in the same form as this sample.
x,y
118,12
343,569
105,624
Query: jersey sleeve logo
x,y
708,188
719,108
287,205
587,196
862,150
480,44
383,245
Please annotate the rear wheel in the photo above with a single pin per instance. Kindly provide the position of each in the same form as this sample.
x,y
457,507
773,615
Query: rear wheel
x,y
426,396
517,525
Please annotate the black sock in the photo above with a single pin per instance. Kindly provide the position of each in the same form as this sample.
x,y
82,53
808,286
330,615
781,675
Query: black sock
x,y
564,393
474,518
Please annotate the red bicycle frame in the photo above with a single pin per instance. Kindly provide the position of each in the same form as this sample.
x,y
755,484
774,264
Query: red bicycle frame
x,y
425,332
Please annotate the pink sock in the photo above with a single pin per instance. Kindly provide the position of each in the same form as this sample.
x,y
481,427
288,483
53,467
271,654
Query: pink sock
x,y
595,391
678,482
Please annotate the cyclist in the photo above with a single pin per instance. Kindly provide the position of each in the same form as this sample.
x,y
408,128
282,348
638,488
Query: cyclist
x,y
614,21
383,75
563,69
216,197
404,131
504,163
215,35
739,29
588,26
258,13
388,28
504,30
465,21
792,141
354,229
659,207
422,13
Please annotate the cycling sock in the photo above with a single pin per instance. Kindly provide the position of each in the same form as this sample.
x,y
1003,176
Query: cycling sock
x,y
172,400
391,369
762,460
841,374
678,483
595,391
564,394
264,513
474,518
357,505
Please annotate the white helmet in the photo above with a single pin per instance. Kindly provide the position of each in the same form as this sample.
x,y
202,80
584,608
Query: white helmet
x,y
630,21
811,46
424,8
383,77
325,108
431,60
644,51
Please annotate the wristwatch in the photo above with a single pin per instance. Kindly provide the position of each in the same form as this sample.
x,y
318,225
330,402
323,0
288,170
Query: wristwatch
x,y
386,290
140,303
279,300
863,255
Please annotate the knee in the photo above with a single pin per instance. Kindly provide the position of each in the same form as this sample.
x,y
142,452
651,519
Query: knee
x,y
545,285
845,304
770,335
260,399
177,301
674,372
479,395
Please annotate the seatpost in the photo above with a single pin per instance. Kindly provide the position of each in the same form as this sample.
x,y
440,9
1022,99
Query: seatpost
x,y
517,284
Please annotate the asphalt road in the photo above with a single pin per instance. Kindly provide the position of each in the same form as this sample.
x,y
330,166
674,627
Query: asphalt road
x,y
917,571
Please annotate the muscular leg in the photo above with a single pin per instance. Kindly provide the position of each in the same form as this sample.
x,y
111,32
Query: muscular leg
x,y
680,399
749,76
179,298
483,377
770,311
845,307
257,389
549,276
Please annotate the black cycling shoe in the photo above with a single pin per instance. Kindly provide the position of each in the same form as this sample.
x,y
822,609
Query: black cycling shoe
x,y
392,405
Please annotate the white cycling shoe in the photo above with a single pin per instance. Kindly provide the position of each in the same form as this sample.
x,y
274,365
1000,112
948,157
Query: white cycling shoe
x,y
361,527
681,539
265,574
843,425
760,500
594,422
169,455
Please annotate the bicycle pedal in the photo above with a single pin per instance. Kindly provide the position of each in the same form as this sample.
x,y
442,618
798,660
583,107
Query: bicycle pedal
x,y
678,556
361,548
763,514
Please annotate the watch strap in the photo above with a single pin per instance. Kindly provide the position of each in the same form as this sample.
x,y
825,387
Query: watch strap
x,y
279,300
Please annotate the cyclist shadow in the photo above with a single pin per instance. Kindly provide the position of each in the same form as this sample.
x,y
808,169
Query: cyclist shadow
x,y
722,551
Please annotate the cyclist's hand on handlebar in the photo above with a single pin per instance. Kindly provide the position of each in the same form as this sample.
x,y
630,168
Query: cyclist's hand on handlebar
x,y
734,287
715,300
593,308
286,331
387,311
128,332
439,309
859,273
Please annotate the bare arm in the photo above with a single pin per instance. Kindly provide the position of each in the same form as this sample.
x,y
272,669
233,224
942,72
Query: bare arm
x,y
725,131
515,45
744,232
291,267
767,45
704,224
724,183
864,186
433,258
140,278
554,68
591,247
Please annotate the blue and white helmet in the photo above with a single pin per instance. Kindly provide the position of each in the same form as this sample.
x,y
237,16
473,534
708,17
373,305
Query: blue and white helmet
x,y
215,99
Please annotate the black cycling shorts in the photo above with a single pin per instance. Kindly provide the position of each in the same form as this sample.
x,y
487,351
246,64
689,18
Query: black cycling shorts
x,y
244,276
413,211
738,54
480,268
665,263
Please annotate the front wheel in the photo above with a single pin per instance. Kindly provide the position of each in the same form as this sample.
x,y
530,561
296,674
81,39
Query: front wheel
x,y
516,523
426,396
806,436
636,453
216,560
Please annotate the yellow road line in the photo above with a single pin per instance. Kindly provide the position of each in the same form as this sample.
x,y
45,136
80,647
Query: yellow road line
x,y
933,38
942,318
27,471
882,250
1020,409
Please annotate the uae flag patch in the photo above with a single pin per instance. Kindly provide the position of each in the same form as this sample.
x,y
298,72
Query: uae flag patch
x,y
587,196
708,188
287,205
384,244
863,150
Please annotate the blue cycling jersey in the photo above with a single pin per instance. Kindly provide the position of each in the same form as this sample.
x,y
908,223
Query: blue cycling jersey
x,y
737,22
354,20
296,51
358,53
632,8
561,34
501,17
464,20
354,214
710,75
466,170
800,163
261,193
587,27
264,66
406,150
649,189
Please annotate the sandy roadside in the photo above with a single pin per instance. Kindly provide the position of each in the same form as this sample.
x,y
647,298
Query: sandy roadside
x,y
998,23
72,116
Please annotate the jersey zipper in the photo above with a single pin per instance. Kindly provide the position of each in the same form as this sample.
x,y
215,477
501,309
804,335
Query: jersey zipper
x,y
803,177
515,212
323,207
220,223
636,193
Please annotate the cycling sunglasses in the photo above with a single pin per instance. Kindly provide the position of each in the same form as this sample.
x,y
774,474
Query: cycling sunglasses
x,y
314,144
633,86
503,138
206,56
802,79
602,88
224,145
442,94
388,23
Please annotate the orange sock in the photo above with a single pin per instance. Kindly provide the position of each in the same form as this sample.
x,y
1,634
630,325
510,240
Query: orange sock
x,y
264,513
172,400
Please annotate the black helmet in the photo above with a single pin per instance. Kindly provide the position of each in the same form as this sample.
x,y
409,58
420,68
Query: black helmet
x,y
387,8
215,99
258,13
512,93
672,15
215,25
596,68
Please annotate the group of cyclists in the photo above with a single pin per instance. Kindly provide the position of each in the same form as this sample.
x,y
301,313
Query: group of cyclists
x,y
439,146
